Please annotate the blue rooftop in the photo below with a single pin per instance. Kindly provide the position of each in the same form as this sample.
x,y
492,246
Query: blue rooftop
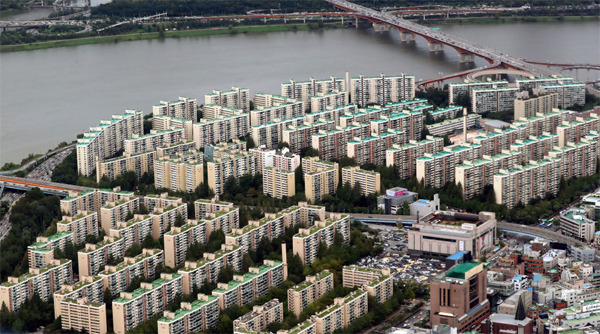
x,y
421,202
518,277
457,256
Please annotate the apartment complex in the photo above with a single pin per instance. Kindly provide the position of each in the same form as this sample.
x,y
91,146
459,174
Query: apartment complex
x,y
212,111
372,149
178,240
112,213
236,165
341,313
153,140
436,169
404,157
445,233
532,82
44,281
41,252
271,134
381,288
333,99
91,200
139,163
260,317
182,108
493,99
451,126
465,88
194,274
220,129
163,123
83,315
270,107
117,278
369,181
133,308
321,181
133,231
304,90
95,256
88,287
244,289
306,241
569,93
82,224
307,292
106,139
358,276
249,237
178,173
459,297
203,207
197,316
540,103
279,182
223,148
382,90
237,97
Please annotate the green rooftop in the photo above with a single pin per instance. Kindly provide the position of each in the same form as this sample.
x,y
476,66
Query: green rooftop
x,y
196,304
138,292
460,270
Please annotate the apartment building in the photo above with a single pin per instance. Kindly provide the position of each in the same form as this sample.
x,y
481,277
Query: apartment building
x,y
91,200
182,108
237,97
436,169
112,213
244,289
358,276
531,83
341,313
44,281
540,103
289,109
236,165
306,241
573,132
133,308
456,89
330,113
162,123
267,99
445,233
575,223
178,240
80,225
83,315
212,111
260,317
334,99
271,134
330,144
306,327
382,90
41,253
226,220
381,288
221,129
195,273
203,207
150,142
265,157
220,150
164,217
95,256
577,159
321,181
106,139
449,112
177,173
155,201
451,126
458,297
300,137
404,157
249,237
278,182
197,316
303,213
372,149
117,278
473,176
139,163
309,291
88,287
463,152
133,231
569,93
535,148
285,159
304,90
369,181
493,99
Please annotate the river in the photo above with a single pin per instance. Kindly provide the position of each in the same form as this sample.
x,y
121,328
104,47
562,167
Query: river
x,y
48,96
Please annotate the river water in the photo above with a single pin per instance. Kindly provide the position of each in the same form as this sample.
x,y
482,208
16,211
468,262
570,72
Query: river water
x,y
48,96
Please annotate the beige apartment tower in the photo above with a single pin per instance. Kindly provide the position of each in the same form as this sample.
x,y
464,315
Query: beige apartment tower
x,y
82,315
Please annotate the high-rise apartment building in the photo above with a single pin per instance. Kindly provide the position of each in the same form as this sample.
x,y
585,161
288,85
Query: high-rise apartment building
x,y
83,315
139,163
91,200
372,149
164,217
237,97
529,106
271,134
269,107
304,90
222,149
334,99
381,288
221,129
80,225
358,276
153,140
203,207
459,297
249,237
197,316
41,252
532,82
306,241
493,99
153,202
163,123
404,157
451,126
133,308
133,231
212,111
117,278
321,181
95,256
278,182
260,317
569,93
307,292
178,240
106,139
113,213
236,165
89,287
436,169
369,181
465,88
341,313
177,173
382,90
195,273
182,108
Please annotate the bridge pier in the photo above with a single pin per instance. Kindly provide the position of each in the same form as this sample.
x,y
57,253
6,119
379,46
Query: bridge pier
x,y
466,57
406,36
379,27
435,46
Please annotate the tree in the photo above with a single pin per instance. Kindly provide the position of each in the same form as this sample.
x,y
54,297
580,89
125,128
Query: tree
x,y
133,250
225,275
409,293
179,221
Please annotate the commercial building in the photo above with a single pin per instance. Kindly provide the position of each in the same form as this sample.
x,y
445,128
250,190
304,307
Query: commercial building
x,y
151,141
381,90
394,199
117,278
309,291
194,274
369,181
88,287
44,281
260,317
178,173
306,241
425,207
82,224
106,139
445,233
575,223
178,240
236,165
197,316
237,97
458,297
456,89
569,93
341,313
139,163
221,129
304,90
133,308
493,99
244,289
584,254
95,256
249,236
83,315
529,106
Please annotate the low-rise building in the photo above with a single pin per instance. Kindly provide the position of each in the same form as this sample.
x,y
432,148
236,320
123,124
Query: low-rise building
x,y
575,223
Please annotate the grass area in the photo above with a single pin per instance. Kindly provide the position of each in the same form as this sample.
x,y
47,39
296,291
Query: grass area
x,y
156,35
524,19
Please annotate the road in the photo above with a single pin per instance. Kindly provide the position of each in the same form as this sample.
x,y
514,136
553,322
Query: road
x,y
33,162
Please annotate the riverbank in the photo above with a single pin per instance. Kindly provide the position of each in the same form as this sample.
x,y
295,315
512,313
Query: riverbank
x,y
159,35
511,19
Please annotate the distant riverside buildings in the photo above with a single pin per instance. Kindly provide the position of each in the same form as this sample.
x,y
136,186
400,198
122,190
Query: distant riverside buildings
x,y
465,89
493,99
382,90
238,98
304,90
235,164
528,106
183,108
